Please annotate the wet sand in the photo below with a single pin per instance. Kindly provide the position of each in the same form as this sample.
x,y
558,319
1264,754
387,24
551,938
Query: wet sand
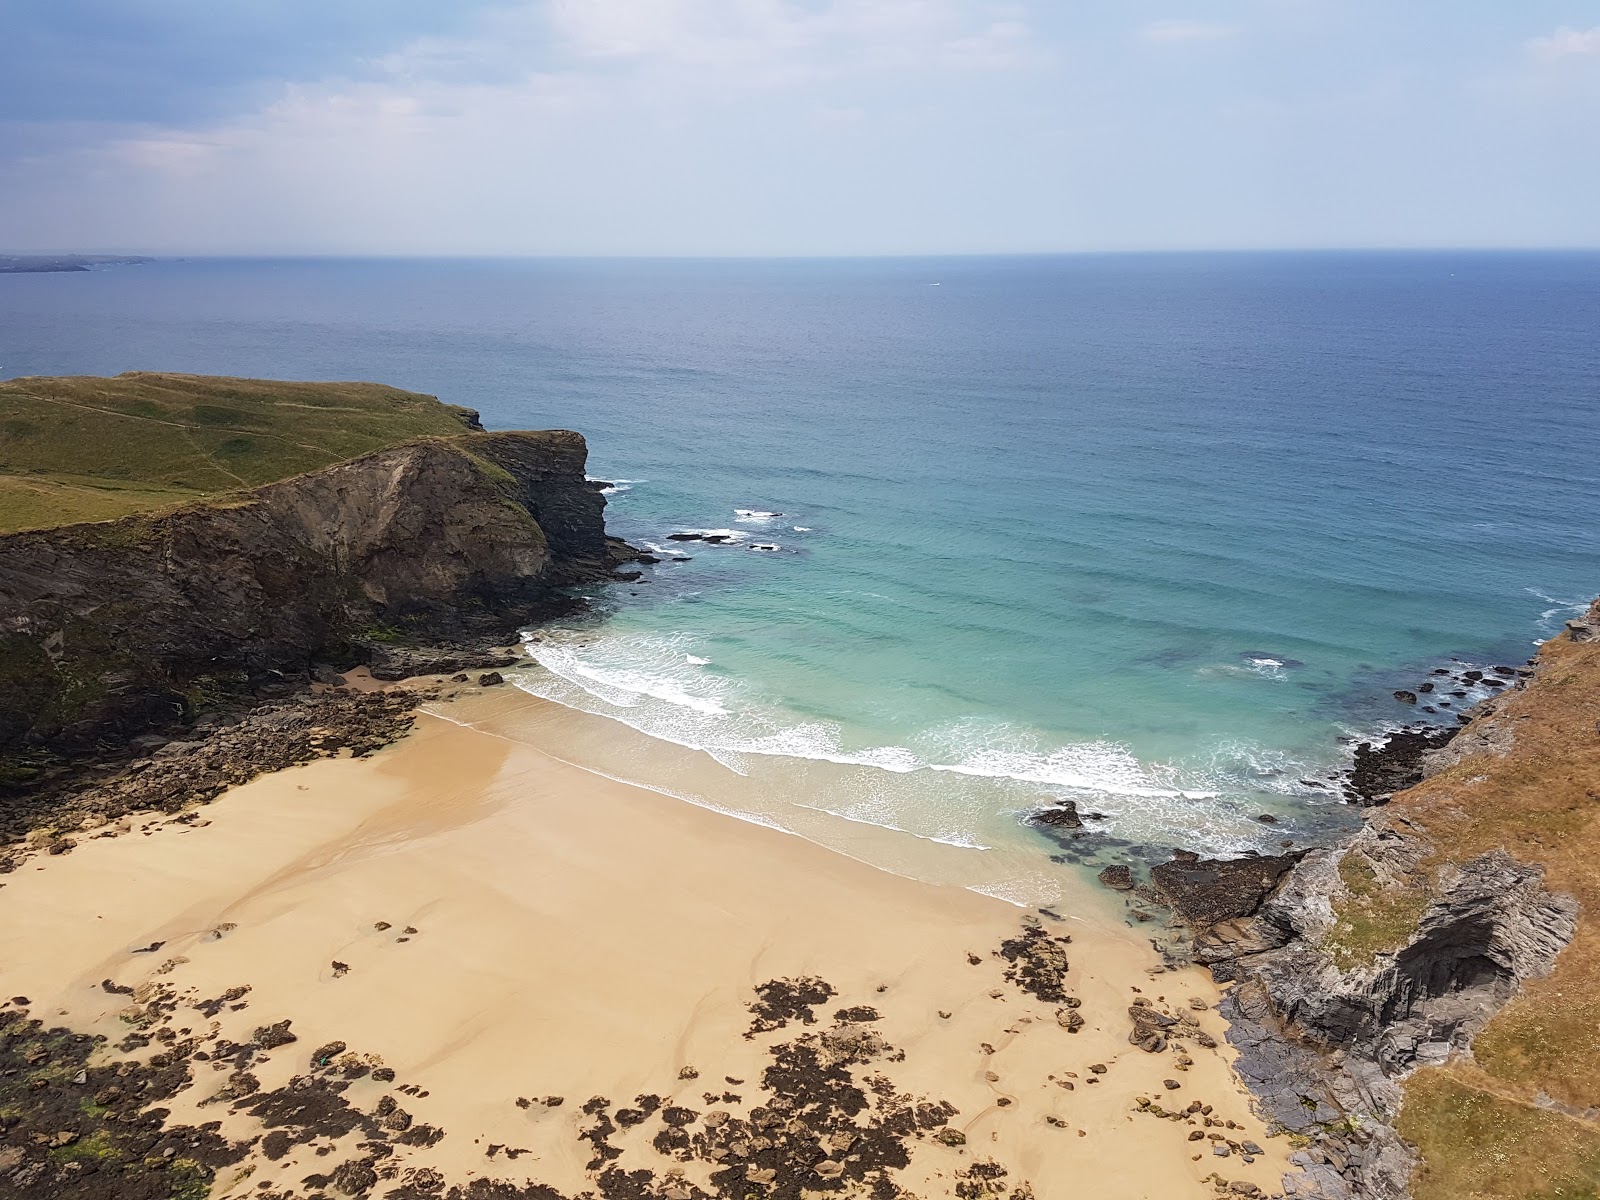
x,y
576,937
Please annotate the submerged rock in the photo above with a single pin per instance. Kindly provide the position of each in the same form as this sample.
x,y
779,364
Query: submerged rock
x,y
1117,877
1062,816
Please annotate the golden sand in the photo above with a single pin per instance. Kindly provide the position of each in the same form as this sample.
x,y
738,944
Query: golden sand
x,y
579,937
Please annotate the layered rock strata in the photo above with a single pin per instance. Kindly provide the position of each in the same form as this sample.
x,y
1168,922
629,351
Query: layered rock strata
x,y
111,628
1358,964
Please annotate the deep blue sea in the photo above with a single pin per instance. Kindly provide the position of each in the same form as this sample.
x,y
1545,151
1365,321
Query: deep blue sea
x,y
1151,532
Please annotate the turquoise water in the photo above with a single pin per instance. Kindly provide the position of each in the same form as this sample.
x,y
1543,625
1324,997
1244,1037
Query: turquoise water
x,y
1149,532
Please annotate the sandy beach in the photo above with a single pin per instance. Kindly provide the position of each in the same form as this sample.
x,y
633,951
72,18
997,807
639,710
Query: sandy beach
x,y
499,967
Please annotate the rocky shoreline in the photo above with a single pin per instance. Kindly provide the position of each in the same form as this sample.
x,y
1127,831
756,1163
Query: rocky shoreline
x,y
1327,1034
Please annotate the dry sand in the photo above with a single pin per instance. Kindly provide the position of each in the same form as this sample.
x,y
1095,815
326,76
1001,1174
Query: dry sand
x,y
577,937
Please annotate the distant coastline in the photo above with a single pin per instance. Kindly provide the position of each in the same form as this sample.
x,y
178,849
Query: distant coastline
x,y
39,264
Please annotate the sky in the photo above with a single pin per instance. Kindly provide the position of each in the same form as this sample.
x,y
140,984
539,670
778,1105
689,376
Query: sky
x,y
796,127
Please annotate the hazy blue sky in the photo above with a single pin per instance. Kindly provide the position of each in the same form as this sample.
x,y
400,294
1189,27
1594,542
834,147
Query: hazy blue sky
x,y
796,126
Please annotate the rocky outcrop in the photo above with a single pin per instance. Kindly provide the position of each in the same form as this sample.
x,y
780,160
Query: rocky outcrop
x,y
1361,962
1323,1041
218,752
1204,892
1391,764
111,628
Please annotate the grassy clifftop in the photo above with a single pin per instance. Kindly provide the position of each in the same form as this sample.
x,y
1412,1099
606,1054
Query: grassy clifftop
x,y
1520,1118
87,448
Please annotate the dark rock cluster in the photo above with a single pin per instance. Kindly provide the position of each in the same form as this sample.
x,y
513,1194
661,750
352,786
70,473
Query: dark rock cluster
x,y
211,757
826,1121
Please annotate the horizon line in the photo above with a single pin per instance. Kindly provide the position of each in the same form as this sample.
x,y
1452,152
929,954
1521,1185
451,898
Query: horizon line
x,y
500,256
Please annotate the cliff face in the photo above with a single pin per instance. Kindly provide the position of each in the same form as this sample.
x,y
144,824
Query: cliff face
x,y
1420,1002
110,627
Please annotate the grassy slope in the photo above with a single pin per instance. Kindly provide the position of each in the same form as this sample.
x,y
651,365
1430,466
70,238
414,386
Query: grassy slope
x,y
1487,1130
85,448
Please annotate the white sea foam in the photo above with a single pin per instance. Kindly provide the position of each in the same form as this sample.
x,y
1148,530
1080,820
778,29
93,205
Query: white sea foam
x,y
655,684
733,535
1029,893
675,550
755,516
1088,767
623,688
614,486
1560,611
741,727
801,528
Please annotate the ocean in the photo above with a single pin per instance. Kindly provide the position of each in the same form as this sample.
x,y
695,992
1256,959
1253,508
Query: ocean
x,y
1155,533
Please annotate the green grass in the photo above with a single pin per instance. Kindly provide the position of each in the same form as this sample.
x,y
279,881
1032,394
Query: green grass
x,y
1477,1145
85,448
1375,918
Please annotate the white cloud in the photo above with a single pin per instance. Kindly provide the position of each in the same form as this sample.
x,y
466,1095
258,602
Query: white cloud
x,y
1185,31
1567,43
504,80
771,41
546,121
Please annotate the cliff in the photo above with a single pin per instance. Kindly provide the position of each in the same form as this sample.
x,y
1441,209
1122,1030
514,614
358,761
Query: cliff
x,y
93,448
1422,1003
34,264
111,628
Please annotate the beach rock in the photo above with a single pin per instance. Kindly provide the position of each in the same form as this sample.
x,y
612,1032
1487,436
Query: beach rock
x,y
1382,768
355,1177
269,1037
1061,816
491,679
1203,892
1117,877
1150,1029
323,1056
391,663
1406,697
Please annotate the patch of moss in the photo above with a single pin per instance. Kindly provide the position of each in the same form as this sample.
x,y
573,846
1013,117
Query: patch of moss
x,y
1375,918
207,692
190,1180
502,480
19,768
97,1147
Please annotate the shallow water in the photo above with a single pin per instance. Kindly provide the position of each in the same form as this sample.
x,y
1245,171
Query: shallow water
x,y
1147,532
